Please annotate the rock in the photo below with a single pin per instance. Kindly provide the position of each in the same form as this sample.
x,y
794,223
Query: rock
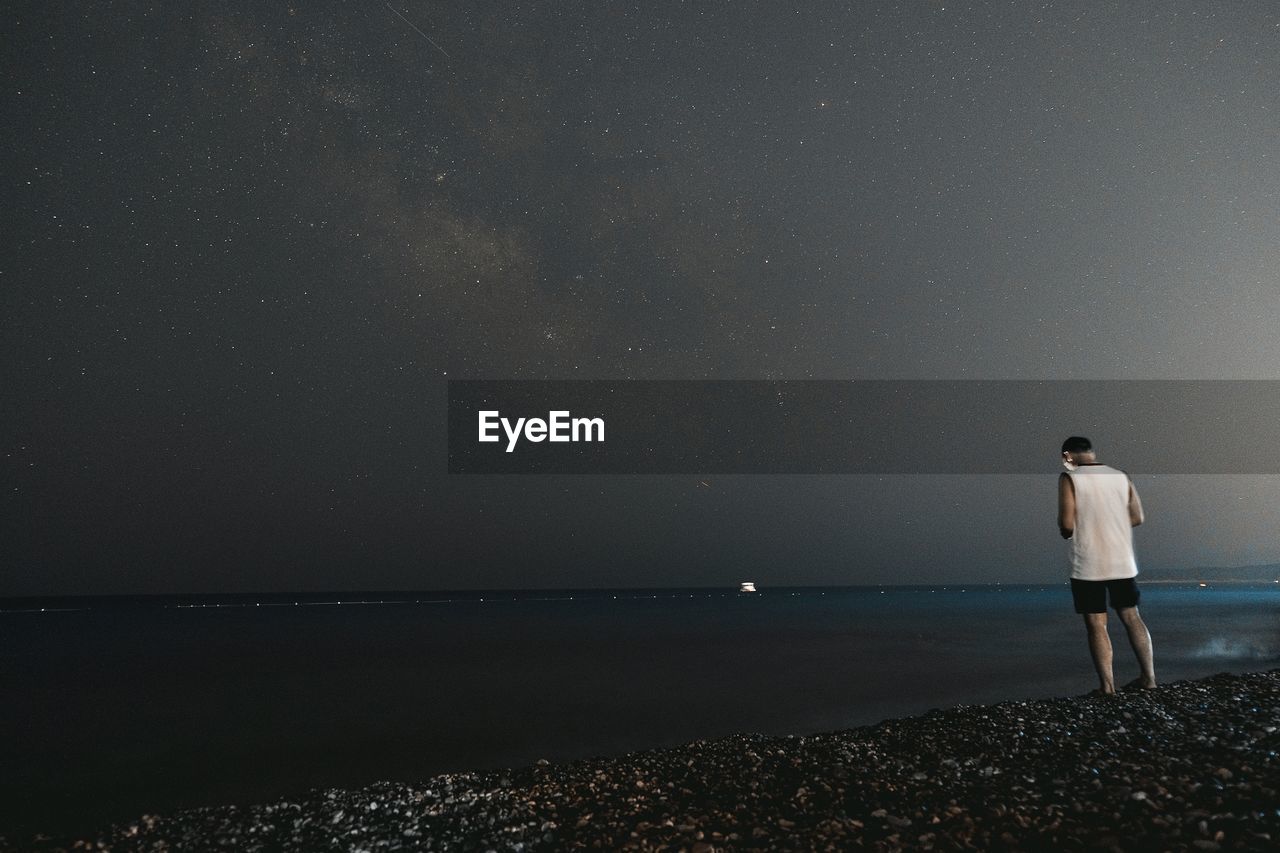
x,y
1201,764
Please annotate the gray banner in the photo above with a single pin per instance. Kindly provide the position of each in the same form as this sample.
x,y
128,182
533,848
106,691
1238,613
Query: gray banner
x,y
860,426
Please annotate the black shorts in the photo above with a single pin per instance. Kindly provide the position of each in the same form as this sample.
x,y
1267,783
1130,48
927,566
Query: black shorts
x,y
1091,596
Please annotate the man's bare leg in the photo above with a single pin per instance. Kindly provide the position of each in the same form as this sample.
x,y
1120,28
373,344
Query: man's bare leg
x,y
1100,647
1140,640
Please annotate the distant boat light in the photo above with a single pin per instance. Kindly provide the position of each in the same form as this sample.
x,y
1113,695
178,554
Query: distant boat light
x,y
747,586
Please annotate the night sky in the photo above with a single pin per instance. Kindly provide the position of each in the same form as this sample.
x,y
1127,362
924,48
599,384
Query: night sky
x,y
245,246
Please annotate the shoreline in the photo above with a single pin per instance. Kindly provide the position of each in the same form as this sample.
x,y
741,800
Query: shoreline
x,y
1190,765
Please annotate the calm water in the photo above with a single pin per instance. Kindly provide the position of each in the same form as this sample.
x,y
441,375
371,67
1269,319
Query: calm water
x,y
110,712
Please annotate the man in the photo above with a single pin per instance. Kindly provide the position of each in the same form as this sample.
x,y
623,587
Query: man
x,y
1098,508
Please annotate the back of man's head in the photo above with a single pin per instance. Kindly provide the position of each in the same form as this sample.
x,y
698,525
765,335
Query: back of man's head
x,y
1077,444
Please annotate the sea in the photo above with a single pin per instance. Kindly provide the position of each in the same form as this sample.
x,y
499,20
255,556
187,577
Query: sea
x,y
111,708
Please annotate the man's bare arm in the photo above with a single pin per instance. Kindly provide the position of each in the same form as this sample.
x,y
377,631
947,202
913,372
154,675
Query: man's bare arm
x,y
1136,516
1066,506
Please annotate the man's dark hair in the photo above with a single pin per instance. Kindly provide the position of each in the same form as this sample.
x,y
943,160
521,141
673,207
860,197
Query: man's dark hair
x,y
1076,444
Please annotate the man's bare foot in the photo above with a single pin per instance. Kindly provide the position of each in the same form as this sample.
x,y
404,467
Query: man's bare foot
x,y
1139,684
1098,691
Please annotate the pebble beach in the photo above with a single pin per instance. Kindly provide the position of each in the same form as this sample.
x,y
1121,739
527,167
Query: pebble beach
x,y
1189,765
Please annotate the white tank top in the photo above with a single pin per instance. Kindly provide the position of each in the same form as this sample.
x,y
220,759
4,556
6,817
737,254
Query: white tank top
x,y
1102,544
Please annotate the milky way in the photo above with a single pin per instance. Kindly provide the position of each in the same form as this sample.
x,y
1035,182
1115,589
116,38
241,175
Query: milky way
x,y
246,247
